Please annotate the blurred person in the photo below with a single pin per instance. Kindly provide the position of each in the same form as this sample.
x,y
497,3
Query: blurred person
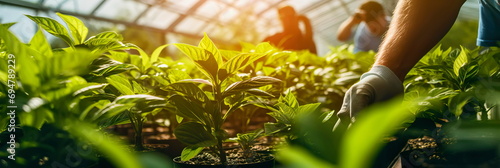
x,y
365,27
417,27
292,37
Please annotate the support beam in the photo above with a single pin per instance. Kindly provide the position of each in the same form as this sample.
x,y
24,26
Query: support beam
x,y
37,7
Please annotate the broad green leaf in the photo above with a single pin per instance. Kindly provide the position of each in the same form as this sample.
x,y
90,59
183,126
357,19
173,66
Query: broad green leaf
x,y
105,66
460,61
8,25
120,118
68,63
240,61
136,98
190,152
200,81
194,134
188,109
248,84
37,117
26,68
286,114
156,53
91,88
40,44
105,35
53,27
272,128
308,108
290,100
111,148
209,45
294,156
190,90
228,54
111,109
137,88
107,41
121,84
78,30
458,102
363,140
203,59
146,63
258,92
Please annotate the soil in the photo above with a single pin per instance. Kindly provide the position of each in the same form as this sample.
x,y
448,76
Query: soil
x,y
429,152
235,157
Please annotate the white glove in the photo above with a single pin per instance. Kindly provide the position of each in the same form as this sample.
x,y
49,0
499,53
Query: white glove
x,y
379,84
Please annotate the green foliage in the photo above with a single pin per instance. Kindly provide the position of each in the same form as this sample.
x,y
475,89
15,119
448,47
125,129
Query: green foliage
x,y
205,111
449,81
247,141
285,112
55,95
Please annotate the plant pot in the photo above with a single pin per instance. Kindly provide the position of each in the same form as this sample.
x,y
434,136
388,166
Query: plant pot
x,y
170,147
266,161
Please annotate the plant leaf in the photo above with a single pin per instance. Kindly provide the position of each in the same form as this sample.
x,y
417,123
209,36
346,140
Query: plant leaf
x,y
53,27
290,100
78,30
190,90
136,98
203,59
121,84
272,128
207,44
40,44
188,109
240,61
460,61
308,108
251,83
156,53
190,152
26,68
194,134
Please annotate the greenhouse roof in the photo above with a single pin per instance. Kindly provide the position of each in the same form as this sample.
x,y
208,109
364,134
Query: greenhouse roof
x,y
227,20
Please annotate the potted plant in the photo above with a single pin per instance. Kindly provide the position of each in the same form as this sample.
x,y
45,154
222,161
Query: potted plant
x,y
203,105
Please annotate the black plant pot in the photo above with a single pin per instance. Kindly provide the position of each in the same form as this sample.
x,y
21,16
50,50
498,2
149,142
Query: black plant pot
x,y
268,163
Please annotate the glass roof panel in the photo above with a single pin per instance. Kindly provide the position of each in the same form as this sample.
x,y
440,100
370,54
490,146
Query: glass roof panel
x,y
301,4
181,6
259,6
158,17
77,6
24,28
228,15
210,9
190,25
243,3
32,1
124,10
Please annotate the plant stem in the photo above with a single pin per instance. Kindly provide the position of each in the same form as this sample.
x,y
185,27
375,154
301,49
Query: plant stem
x,y
136,121
222,153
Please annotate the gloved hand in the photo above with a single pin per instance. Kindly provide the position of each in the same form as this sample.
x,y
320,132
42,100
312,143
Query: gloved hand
x,y
379,84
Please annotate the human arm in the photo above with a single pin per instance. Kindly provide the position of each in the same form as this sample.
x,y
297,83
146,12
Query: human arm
x,y
345,30
417,26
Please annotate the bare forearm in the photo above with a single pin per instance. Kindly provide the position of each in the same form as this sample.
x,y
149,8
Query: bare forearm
x,y
345,29
417,26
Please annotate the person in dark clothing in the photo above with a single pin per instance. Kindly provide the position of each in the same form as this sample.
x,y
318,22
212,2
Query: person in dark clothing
x,y
292,37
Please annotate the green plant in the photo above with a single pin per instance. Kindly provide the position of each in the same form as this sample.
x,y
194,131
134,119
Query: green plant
x,y
204,109
451,82
50,89
285,112
247,141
